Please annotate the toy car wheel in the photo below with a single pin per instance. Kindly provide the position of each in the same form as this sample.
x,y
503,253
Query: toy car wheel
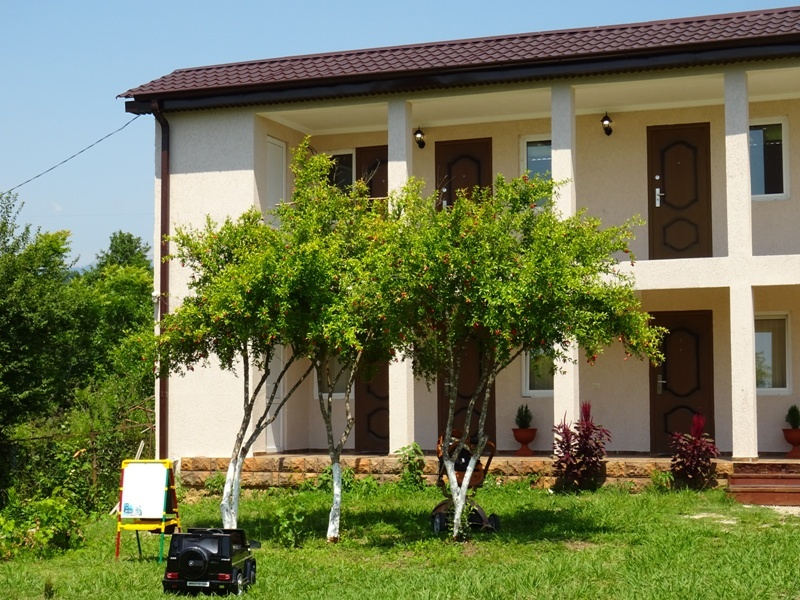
x,y
252,577
193,563
439,522
238,579
494,522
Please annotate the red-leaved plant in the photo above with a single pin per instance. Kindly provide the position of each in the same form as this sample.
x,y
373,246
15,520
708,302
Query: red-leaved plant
x,y
580,453
691,462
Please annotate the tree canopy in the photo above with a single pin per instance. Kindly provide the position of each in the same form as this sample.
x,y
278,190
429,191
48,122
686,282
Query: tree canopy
x,y
503,270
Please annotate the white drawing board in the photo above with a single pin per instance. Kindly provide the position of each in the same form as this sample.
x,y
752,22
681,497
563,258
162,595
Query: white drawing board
x,y
143,490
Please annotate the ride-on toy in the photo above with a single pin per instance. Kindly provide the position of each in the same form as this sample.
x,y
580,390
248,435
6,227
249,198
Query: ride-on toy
x,y
474,515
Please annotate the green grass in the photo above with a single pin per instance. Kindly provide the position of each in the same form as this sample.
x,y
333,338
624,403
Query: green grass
x,y
607,544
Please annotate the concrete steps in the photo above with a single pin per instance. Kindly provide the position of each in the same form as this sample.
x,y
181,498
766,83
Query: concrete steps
x,y
773,483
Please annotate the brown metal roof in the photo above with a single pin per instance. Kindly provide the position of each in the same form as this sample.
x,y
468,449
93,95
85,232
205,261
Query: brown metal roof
x,y
757,30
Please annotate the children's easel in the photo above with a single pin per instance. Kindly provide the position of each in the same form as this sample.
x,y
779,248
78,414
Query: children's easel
x,y
147,500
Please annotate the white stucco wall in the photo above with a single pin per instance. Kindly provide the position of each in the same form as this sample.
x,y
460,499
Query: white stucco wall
x,y
218,169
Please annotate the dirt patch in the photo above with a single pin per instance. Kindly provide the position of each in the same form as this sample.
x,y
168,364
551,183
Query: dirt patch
x,y
578,546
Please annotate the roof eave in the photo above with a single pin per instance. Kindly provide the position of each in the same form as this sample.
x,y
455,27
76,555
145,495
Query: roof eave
x,y
459,77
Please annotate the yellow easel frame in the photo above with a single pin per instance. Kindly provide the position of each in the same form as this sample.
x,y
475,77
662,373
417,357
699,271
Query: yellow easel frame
x,y
170,519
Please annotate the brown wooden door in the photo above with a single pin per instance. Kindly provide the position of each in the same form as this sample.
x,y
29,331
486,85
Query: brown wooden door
x,y
372,166
684,383
467,383
679,191
462,164
372,411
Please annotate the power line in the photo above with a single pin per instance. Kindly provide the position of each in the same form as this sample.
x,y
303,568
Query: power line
x,y
73,156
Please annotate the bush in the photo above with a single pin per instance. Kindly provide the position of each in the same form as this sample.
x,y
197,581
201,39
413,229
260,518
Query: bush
x,y
693,452
412,461
580,453
41,527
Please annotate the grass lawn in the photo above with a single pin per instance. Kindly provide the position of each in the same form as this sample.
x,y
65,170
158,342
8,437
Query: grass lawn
x,y
607,544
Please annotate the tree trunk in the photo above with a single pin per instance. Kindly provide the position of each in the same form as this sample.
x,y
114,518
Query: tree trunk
x,y
231,492
336,507
459,492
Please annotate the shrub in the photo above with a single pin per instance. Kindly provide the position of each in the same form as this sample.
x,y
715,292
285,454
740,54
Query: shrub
x,y
215,483
793,417
412,461
523,417
580,453
693,452
661,481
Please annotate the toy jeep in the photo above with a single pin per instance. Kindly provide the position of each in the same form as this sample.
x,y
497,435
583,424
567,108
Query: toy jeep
x,y
210,561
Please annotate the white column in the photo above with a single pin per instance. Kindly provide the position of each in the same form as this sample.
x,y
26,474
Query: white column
x,y
562,130
566,398
401,376
740,246
737,165
743,373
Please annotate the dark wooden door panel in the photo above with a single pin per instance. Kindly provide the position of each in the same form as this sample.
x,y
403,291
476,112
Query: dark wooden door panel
x,y
372,166
679,191
683,384
468,382
462,164
372,411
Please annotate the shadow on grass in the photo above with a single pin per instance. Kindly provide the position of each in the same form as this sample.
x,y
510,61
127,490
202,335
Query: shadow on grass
x,y
375,524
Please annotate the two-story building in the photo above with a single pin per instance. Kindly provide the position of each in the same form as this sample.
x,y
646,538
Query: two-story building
x,y
702,139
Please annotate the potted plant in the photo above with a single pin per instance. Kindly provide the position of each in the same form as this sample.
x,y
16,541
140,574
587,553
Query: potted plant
x,y
523,432
792,435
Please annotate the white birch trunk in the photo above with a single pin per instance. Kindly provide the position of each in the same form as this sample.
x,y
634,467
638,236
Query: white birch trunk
x,y
336,507
229,507
459,492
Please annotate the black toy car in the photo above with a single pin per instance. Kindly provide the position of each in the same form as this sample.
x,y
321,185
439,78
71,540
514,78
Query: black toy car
x,y
210,561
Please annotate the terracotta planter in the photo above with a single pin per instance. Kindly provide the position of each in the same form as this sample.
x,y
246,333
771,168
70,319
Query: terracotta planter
x,y
524,437
793,437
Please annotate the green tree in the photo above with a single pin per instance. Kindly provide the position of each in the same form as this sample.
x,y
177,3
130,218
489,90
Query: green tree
x,y
35,354
124,250
505,271
338,280
237,313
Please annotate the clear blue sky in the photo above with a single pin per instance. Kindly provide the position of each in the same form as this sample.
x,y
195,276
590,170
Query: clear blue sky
x,y
63,64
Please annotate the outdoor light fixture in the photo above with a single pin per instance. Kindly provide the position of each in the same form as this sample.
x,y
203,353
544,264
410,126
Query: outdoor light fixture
x,y
419,137
606,123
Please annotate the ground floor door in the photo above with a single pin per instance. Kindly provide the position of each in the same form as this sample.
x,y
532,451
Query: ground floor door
x,y
683,384
467,383
372,411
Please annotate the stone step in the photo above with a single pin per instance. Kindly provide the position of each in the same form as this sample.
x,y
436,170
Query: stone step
x,y
766,495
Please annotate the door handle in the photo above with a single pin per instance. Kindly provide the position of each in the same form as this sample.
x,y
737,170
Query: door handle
x,y
659,193
660,384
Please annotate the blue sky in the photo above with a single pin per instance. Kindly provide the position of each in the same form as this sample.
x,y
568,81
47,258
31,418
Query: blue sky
x,y
63,64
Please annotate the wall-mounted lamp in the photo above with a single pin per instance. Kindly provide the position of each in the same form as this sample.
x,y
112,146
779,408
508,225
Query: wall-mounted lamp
x,y
419,137
606,123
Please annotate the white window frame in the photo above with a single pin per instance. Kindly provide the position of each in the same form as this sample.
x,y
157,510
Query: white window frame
x,y
352,153
782,391
334,395
276,172
784,123
523,149
526,383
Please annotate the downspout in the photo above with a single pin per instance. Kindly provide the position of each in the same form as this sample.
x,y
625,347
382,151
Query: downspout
x,y
163,279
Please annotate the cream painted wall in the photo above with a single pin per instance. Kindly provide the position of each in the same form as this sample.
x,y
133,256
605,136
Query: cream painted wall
x,y
218,168
772,408
775,221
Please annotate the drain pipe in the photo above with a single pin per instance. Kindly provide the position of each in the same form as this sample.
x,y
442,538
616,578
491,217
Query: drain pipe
x,y
163,279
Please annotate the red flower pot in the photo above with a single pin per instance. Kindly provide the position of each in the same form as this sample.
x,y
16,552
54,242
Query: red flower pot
x,y
793,437
524,437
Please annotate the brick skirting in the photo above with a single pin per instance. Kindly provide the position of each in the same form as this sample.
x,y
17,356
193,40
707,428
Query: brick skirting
x,y
288,470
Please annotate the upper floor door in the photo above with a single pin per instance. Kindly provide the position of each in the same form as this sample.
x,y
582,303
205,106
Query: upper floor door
x,y
679,188
462,164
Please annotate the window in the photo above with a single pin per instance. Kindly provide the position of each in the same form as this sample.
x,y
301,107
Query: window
x,y
771,353
537,376
768,159
537,156
340,386
341,174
